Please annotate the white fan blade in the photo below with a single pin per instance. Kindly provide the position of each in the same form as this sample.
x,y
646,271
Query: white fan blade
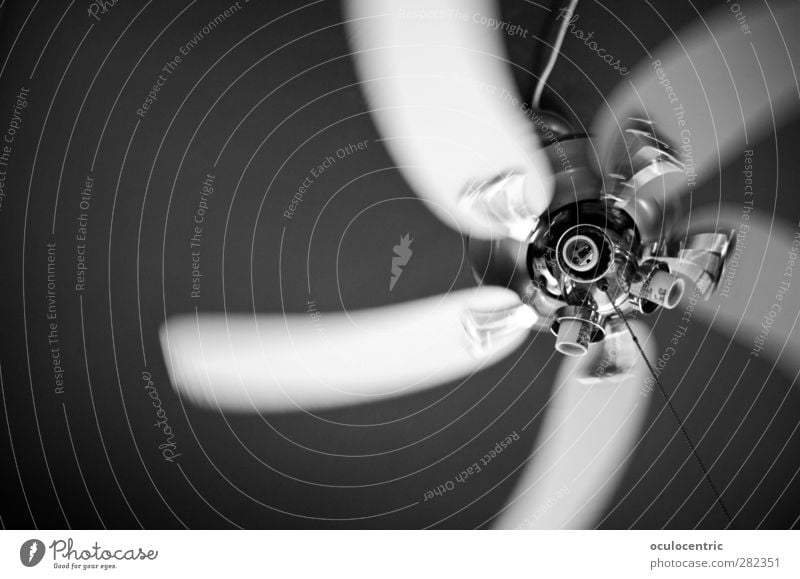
x,y
273,362
758,299
592,423
441,93
712,89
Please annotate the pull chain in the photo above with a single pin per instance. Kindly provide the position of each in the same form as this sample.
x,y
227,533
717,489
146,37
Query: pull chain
x,y
673,411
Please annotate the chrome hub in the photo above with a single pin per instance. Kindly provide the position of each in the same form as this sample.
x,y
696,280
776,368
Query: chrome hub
x,y
609,244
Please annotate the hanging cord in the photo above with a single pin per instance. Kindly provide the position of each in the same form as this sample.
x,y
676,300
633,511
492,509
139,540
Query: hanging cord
x,y
672,410
551,63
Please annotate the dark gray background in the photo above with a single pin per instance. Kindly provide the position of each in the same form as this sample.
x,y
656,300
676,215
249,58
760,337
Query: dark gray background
x,y
89,457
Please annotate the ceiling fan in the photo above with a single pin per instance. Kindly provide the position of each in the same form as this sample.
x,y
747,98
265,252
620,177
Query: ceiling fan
x,y
569,233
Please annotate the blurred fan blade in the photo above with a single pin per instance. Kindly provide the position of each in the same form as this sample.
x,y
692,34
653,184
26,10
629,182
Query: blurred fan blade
x,y
758,299
273,362
593,421
710,90
440,90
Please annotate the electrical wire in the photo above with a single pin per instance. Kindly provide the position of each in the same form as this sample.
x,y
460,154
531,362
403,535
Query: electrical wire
x,y
551,63
674,412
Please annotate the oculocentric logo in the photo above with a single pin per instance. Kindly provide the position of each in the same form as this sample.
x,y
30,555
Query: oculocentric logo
x,y
31,552
402,255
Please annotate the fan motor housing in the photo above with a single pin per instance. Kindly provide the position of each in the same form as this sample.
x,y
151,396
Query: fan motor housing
x,y
600,251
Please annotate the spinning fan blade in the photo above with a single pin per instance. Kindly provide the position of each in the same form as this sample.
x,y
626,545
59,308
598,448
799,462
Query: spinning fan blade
x,y
758,300
274,362
710,90
593,420
443,98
